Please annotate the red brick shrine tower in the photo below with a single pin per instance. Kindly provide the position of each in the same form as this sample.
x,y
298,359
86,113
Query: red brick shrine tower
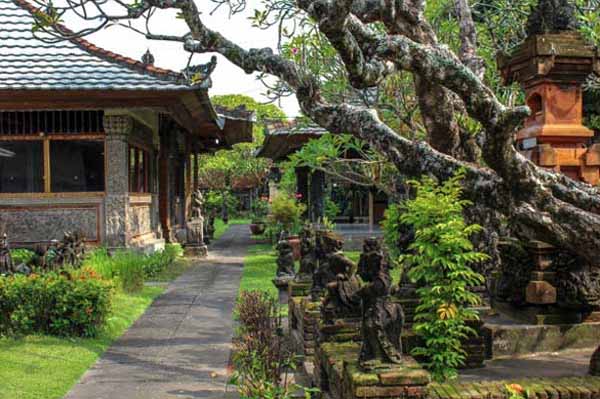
x,y
551,65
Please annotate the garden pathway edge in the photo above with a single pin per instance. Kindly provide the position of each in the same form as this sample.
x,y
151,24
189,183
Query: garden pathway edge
x,y
181,345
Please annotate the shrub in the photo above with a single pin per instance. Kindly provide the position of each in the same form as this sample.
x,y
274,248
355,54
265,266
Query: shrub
x,y
157,262
286,214
22,256
130,268
69,303
332,210
392,228
260,357
125,267
439,264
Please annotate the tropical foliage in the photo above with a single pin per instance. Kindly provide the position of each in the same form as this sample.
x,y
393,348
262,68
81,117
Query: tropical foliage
x,y
439,263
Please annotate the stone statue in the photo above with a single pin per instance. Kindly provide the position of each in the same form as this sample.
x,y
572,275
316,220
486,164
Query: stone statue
x,y
340,300
69,251
285,259
6,262
308,254
372,255
382,320
552,16
331,262
197,205
195,242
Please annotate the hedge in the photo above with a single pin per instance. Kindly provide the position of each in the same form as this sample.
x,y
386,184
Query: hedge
x,y
67,303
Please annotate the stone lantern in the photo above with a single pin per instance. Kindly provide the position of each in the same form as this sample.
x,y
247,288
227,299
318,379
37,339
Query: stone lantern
x,y
551,65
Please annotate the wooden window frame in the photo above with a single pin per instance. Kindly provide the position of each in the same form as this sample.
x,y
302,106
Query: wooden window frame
x,y
47,178
142,169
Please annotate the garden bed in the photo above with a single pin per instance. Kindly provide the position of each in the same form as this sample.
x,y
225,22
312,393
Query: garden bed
x,y
38,366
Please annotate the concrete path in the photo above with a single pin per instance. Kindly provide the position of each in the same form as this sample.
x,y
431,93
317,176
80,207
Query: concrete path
x,y
180,347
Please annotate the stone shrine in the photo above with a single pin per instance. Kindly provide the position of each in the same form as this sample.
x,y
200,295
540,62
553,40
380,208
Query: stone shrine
x,y
551,65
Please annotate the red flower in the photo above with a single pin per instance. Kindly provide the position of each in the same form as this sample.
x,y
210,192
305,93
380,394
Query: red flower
x,y
516,388
298,195
295,50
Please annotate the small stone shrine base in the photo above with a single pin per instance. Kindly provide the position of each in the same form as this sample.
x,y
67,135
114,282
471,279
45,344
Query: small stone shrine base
x,y
304,315
195,251
338,373
555,388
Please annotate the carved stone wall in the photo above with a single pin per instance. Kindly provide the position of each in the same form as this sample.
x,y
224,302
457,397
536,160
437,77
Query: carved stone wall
x,y
139,220
34,224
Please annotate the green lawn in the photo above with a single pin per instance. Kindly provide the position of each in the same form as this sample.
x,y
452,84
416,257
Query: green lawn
x,y
259,269
221,227
41,367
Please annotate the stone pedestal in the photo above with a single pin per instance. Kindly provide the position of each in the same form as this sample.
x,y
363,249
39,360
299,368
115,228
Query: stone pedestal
x,y
282,284
540,290
338,373
195,246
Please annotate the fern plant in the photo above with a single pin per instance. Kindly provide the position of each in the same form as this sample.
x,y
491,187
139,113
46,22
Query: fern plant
x,y
438,263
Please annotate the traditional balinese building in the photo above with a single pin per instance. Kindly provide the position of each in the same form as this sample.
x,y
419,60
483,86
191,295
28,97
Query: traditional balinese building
x,y
358,204
95,142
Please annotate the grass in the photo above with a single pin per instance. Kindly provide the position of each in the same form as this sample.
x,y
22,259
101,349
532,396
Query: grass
x,y
36,367
221,227
259,269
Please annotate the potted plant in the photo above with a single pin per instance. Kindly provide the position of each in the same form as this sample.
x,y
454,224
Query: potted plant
x,y
260,209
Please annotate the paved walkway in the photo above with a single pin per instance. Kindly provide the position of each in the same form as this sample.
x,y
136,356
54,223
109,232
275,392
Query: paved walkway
x,y
180,347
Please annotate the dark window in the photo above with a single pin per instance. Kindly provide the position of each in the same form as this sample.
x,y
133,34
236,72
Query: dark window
x,y
76,166
139,170
21,166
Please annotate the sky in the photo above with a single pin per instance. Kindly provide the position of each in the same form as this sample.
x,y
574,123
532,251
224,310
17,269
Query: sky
x,y
227,78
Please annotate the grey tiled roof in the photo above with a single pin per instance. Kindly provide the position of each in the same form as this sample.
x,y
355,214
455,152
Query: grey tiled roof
x,y
26,62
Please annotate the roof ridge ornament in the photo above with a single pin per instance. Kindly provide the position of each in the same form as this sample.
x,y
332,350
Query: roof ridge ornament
x,y
148,58
197,74
552,16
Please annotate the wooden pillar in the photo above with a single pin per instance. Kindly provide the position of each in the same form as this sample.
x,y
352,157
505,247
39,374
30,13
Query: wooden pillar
x,y
163,186
195,168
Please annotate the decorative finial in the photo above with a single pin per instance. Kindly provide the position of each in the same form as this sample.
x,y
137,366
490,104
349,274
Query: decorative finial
x,y
196,74
148,58
552,16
